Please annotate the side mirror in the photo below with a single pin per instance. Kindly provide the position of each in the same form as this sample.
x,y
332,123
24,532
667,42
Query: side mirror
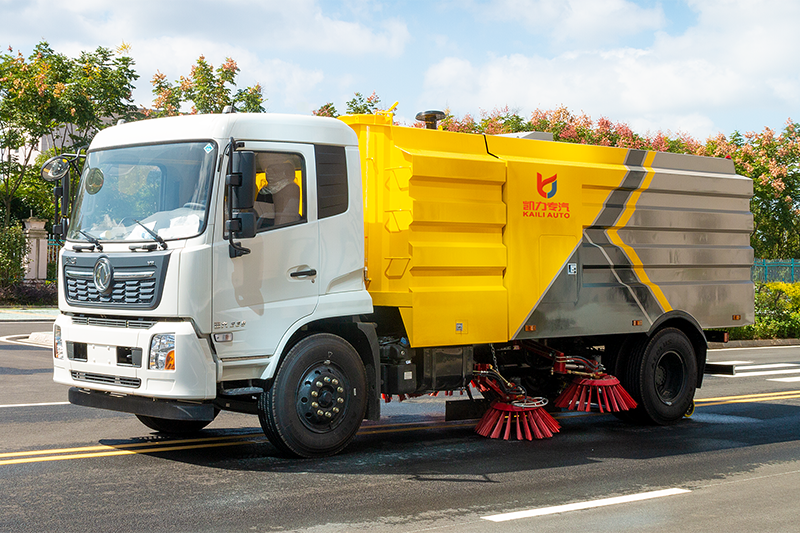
x,y
55,168
240,183
244,168
243,194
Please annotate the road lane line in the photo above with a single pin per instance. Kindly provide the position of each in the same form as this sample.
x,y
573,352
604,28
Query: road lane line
x,y
786,380
128,445
542,511
32,404
743,374
121,452
753,397
768,366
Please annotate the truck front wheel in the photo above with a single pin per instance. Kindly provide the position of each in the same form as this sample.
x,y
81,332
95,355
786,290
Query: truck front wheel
x,y
663,377
318,398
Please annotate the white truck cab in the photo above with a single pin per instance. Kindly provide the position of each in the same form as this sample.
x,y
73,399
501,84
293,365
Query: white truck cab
x,y
161,311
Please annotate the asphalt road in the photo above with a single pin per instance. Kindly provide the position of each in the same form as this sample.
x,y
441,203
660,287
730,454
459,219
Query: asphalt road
x,y
733,467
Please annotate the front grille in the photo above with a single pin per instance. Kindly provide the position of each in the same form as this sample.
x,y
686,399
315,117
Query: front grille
x,y
131,291
137,279
113,322
108,380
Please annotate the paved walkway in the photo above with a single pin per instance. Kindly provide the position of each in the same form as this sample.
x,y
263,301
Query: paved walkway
x,y
28,314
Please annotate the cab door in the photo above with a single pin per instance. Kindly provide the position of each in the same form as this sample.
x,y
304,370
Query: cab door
x,y
258,296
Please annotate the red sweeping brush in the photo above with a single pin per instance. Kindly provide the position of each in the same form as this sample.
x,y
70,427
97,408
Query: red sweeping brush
x,y
527,419
513,410
604,390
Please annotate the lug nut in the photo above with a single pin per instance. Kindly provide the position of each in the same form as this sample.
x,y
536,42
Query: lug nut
x,y
314,393
340,390
339,400
328,414
326,379
314,405
318,384
320,412
335,409
335,381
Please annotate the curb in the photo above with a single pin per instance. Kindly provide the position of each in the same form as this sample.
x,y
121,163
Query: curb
x,y
28,314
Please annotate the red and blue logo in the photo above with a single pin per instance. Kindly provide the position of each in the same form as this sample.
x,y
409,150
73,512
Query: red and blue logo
x,y
542,183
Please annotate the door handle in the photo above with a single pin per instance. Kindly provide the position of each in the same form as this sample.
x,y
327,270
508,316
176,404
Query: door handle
x,y
303,273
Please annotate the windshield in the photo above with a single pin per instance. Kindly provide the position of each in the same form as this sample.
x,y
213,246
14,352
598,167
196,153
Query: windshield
x,y
124,192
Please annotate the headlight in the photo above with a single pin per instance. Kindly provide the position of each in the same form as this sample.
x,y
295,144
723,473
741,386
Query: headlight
x,y
162,352
58,347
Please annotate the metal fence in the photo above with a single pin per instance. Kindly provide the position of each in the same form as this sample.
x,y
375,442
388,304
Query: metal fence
x,y
767,270
53,247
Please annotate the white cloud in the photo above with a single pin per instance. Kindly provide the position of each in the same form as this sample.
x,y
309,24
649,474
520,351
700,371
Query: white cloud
x,y
737,54
581,22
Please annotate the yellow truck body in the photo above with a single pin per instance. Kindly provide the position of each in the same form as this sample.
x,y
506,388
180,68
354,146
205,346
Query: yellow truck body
x,y
485,239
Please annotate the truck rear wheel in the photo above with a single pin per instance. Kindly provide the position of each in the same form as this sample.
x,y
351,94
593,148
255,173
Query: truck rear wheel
x,y
661,375
173,427
318,398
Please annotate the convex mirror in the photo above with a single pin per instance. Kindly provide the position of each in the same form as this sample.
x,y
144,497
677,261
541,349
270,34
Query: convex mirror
x,y
55,168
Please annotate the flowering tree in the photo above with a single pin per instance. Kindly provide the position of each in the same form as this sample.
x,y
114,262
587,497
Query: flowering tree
x,y
208,90
326,110
60,102
772,161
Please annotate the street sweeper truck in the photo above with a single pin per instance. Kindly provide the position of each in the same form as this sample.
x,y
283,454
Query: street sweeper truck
x,y
305,269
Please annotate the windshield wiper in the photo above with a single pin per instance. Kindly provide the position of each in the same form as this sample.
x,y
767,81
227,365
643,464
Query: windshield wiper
x,y
92,239
154,235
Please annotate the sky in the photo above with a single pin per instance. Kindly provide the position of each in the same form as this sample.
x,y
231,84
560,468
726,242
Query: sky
x,y
698,67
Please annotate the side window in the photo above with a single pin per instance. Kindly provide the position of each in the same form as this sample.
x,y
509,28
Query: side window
x,y
281,185
331,180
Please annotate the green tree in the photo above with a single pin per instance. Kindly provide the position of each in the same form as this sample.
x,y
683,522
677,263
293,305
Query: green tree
x,y
359,105
208,90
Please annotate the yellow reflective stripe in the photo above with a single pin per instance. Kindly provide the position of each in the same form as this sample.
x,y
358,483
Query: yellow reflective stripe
x,y
614,237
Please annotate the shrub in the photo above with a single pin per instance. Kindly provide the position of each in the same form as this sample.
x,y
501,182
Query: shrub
x,y
30,294
13,251
777,313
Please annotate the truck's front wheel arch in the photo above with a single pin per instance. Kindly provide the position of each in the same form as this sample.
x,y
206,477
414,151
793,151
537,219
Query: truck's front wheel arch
x,y
363,337
317,400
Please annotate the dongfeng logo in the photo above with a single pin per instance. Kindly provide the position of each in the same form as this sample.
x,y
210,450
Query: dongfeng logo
x,y
541,183
103,275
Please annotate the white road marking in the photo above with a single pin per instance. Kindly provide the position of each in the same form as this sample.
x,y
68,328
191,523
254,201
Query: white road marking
x,y
33,404
786,380
22,340
584,505
729,362
768,366
741,373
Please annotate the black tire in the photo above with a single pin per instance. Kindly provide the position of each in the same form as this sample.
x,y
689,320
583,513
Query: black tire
x,y
174,427
662,376
318,398
626,369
